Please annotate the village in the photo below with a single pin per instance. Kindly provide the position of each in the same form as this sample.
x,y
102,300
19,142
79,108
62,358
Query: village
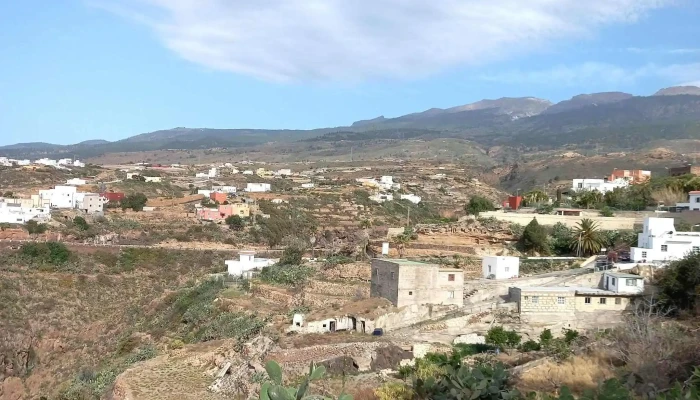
x,y
412,258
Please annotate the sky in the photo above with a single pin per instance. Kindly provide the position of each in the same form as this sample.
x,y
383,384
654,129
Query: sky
x,y
75,70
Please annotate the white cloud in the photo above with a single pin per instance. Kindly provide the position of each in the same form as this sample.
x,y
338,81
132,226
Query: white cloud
x,y
610,74
645,50
289,40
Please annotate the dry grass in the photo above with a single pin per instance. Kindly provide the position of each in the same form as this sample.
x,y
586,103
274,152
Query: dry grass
x,y
578,374
669,196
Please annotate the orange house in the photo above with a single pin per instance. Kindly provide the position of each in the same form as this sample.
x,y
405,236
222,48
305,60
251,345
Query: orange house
x,y
220,197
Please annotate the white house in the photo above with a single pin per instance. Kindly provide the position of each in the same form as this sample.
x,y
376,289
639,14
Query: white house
x,y
46,161
601,185
90,203
246,262
411,197
387,183
154,179
60,196
284,172
224,189
248,172
500,267
693,203
78,163
76,182
17,214
659,241
381,197
213,173
623,283
257,187
65,161
307,185
205,192
201,175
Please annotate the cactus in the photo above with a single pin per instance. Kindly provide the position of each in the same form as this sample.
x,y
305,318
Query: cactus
x,y
275,391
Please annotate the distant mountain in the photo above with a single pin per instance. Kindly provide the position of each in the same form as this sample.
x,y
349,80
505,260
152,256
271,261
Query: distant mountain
x,y
516,107
585,100
678,90
366,122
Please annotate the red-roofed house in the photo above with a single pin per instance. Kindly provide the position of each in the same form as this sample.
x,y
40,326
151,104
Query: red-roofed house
x,y
113,197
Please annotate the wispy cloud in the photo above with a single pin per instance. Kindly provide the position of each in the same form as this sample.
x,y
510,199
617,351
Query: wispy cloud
x,y
646,50
289,40
585,73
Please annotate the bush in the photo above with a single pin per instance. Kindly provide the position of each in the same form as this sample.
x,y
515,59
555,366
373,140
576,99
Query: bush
x,y
679,286
546,337
35,228
606,212
235,222
292,255
499,337
394,391
50,252
530,345
81,223
134,201
477,205
289,275
534,238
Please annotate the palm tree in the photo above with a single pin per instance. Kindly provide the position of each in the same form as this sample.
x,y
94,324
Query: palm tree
x,y
589,198
401,241
586,238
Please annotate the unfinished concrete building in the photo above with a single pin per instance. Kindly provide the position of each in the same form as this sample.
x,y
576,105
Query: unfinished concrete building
x,y
406,283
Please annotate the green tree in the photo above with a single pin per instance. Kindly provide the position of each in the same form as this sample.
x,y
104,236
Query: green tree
x,y
35,228
560,239
546,337
235,222
589,198
292,255
535,197
81,223
679,286
478,204
135,201
534,238
586,238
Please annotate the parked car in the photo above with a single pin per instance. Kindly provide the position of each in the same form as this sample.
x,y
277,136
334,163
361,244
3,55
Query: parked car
x,y
378,332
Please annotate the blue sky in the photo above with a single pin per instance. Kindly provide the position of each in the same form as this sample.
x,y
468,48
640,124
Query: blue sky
x,y
74,70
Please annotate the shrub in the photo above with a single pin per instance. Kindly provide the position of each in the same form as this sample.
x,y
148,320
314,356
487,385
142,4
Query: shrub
x,y
546,337
680,284
477,205
80,223
501,338
534,238
394,391
606,212
530,345
35,228
235,222
289,275
134,201
292,255
50,252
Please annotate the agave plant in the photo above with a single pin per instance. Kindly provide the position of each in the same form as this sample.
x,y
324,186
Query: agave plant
x,y
275,391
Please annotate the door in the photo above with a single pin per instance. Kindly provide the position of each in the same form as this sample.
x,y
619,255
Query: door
x,y
332,326
362,326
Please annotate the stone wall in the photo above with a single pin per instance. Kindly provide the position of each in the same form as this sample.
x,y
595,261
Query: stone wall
x,y
354,271
605,223
273,294
534,301
349,290
410,315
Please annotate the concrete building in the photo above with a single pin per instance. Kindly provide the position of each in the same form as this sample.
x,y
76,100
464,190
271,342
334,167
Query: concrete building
x,y
90,203
60,196
554,301
248,172
405,282
387,183
284,172
154,179
224,189
218,197
693,203
307,185
659,241
247,263
411,197
381,197
12,213
601,185
623,283
633,176
76,182
204,192
79,164
684,170
500,267
257,187
224,211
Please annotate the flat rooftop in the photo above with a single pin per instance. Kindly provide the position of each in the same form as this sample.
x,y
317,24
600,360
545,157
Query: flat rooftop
x,y
402,261
623,275
566,289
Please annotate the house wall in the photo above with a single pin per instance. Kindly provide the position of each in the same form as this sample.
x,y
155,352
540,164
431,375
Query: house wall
x,y
620,285
92,203
605,223
546,302
595,305
500,267
384,284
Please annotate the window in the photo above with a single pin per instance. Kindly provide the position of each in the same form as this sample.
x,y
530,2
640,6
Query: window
x,y
489,269
410,293
561,300
451,277
613,281
587,300
376,271
644,254
392,276
602,300
507,269
451,295
697,199
631,282
535,299
664,247
618,301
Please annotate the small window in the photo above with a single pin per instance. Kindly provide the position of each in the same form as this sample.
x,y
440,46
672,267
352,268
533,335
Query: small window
x,y
527,297
602,300
618,301
561,300
587,300
324,325
697,199
451,277
410,293
507,269
644,254
392,276
451,295
664,247
613,281
631,282
535,299
376,271
489,269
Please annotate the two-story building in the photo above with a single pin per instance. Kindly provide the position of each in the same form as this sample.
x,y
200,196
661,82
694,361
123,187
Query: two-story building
x,y
600,185
659,241
405,282
693,203
247,263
